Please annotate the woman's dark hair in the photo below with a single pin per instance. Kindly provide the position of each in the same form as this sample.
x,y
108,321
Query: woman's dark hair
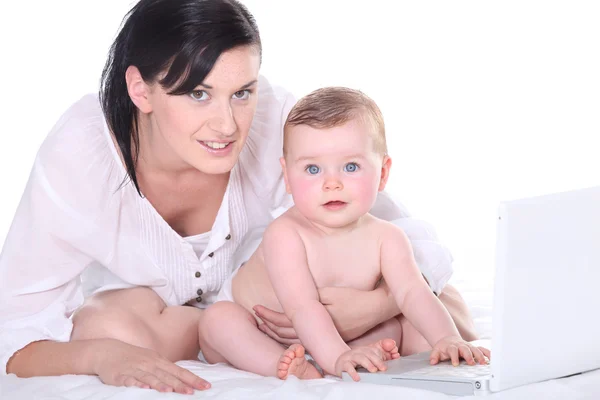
x,y
183,38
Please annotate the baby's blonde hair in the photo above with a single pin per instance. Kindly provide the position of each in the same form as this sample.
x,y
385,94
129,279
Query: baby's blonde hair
x,y
330,107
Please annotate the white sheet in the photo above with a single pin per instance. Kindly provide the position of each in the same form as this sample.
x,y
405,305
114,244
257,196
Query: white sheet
x,y
228,383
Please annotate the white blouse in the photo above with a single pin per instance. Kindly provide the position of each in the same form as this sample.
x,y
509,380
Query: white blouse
x,y
77,231
199,242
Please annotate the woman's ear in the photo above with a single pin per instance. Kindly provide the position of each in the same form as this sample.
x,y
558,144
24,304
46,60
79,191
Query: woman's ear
x,y
138,89
386,165
285,177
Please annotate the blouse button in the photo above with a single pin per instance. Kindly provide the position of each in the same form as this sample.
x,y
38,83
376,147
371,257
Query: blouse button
x,y
199,299
228,236
198,274
211,254
199,291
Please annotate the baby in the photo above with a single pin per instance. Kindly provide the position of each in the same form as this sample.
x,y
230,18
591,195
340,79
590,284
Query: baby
x,y
335,162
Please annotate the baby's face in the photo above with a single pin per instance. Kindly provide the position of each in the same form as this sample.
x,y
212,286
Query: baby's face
x,y
333,174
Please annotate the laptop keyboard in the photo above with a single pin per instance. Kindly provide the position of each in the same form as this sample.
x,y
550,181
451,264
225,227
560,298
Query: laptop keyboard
x,y
463,370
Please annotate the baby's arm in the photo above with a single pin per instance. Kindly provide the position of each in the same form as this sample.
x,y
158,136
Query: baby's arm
x,y
418,303
287,266
413,295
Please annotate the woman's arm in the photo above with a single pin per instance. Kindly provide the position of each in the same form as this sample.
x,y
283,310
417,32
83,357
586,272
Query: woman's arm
x,y
368,309
116,363
47,358
54,234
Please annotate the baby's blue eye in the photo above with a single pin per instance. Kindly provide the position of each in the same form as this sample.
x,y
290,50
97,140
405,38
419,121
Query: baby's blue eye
x,y
351,167
313,169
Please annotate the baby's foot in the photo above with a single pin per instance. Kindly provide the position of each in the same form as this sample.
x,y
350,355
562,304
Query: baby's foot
x,y
388,349
292,362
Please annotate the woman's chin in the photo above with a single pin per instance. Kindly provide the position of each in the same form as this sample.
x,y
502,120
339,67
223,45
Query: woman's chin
x,y
215,167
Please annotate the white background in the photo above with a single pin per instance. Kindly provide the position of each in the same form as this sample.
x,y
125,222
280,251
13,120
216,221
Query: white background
x,y
483,101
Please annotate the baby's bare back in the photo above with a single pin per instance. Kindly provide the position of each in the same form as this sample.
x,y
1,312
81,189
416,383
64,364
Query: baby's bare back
x,y
344,259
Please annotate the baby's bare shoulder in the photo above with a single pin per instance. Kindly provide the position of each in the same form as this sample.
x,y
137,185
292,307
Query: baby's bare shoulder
x,y
285,226
385,230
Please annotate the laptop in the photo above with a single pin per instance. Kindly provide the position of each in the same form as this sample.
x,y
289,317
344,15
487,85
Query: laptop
x,y
545,295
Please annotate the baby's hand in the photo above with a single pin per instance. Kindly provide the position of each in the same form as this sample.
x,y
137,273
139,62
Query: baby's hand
x,y
454,347
371,357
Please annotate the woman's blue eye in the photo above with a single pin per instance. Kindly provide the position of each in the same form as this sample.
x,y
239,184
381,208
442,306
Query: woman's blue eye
x,y
199,95
351,167
242,94
313,169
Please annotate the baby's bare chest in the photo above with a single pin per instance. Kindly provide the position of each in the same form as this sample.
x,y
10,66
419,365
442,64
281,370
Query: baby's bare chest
x,y
344,263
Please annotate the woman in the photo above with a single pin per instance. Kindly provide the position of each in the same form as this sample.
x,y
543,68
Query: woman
x,y
142,202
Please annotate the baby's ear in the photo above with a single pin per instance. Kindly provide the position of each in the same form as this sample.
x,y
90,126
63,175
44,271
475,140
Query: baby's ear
x,y
386,165
285,177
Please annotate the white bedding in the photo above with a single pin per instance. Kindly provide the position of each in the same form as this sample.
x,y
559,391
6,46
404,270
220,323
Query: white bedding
x,y
228,383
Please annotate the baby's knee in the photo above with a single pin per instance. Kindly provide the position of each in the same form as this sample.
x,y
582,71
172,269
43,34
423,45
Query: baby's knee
x,y
222,315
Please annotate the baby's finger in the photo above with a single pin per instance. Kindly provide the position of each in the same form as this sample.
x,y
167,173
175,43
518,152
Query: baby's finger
x,y
377,361
486,352
434,357
351,371
478,354
454,357
364,361
465,352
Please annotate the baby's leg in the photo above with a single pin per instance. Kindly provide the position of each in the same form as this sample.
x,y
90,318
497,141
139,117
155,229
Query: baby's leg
x,y
408,339
386,337
228,333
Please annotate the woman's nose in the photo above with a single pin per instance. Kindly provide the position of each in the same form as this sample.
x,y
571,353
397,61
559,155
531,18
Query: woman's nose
x,y
223,121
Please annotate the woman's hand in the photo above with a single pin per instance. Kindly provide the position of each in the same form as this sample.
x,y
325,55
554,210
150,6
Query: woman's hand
x,y
276,325
354,311
121,364
369,309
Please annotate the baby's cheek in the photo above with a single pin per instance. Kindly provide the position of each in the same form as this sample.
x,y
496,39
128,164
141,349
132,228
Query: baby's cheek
x,y
365,192
303,192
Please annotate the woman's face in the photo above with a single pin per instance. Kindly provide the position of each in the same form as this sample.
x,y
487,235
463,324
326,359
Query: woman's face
x,y
207,128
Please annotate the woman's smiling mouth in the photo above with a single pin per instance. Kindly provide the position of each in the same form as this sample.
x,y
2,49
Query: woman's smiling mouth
x,y
217,148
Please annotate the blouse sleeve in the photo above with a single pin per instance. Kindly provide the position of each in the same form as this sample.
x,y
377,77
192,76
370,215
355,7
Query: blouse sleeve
x,y
433,258
53,235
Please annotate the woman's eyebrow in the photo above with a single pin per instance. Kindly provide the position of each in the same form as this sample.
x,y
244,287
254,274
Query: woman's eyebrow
x,y
247,85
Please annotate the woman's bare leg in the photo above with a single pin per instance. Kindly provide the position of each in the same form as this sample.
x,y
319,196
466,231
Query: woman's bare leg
x,y
229,333
391,329
409,340
138,316
460,313
413,342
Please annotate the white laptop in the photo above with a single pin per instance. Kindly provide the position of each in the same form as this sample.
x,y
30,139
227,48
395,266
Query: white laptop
x,y
545,317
